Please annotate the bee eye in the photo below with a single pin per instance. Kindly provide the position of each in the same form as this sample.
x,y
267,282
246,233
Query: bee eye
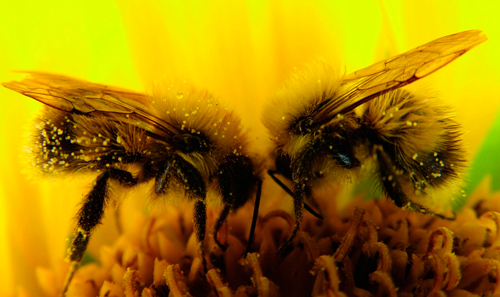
x,y
346,161
191,143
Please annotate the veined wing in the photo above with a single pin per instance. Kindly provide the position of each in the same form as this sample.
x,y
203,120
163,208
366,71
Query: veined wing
x,y
83,97
365,84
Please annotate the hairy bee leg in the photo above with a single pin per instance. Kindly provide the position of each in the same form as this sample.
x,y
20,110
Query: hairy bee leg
x,y
222,218
200,221
225,212
254,216
289,192
298,205
236,181
389,178
194,185
393,188
90,215
302,173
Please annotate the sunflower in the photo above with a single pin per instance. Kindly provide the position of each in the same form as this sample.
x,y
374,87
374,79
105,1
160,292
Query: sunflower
x,y
243,52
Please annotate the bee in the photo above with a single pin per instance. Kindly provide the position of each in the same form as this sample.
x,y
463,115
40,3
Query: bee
x,y
328,128
182,139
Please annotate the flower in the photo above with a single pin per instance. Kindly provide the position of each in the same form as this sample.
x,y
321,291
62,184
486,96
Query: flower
x,y
240,51
371,247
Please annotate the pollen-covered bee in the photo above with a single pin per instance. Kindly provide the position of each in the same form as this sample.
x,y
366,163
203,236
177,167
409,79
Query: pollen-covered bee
x,y
327,128
181,138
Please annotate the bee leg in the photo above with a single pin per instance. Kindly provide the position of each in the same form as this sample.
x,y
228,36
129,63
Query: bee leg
x,y
289,192
389,178
194,184
222,218
302,174
393,188
236,182
200,221
90,215
254,216
298,205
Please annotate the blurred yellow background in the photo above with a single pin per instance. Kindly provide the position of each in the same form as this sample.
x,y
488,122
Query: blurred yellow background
x,y
241,51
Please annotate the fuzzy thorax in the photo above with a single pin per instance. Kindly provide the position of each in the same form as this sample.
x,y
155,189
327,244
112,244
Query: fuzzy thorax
x,y
199,112
298,98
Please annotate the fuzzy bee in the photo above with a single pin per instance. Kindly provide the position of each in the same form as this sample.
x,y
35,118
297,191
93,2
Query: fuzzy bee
x,y
327,128
183,140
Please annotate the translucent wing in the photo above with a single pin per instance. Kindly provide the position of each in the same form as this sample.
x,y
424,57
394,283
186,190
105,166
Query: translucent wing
x,y
83,97
365,84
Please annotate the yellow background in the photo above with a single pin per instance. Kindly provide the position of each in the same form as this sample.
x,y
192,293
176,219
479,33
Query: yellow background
x,y
240,50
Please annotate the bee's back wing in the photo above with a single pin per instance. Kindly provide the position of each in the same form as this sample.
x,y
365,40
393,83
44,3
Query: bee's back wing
x,y
365,84
83,97
423,60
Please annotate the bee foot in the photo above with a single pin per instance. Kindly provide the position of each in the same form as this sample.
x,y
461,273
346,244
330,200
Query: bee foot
x,y
222,246
284,250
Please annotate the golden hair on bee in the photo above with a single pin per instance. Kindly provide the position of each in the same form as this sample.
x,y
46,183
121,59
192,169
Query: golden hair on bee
x,y
198,111
329,128
426,141
179,138
303,92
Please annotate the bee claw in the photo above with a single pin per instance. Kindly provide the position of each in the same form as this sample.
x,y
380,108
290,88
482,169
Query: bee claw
x,y
284,250
222,246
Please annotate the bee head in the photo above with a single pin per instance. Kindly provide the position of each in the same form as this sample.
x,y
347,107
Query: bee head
x,y
189,143
303,125
282,163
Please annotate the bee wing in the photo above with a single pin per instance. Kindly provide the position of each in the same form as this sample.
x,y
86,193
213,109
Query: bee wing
x,y
398,71
83,97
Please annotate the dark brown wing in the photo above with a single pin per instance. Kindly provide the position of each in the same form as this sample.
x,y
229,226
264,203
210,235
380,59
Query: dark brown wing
x,y
83,97
365,84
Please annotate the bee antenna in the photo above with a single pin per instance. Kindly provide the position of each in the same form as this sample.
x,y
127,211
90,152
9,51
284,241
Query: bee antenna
x,y
289,192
